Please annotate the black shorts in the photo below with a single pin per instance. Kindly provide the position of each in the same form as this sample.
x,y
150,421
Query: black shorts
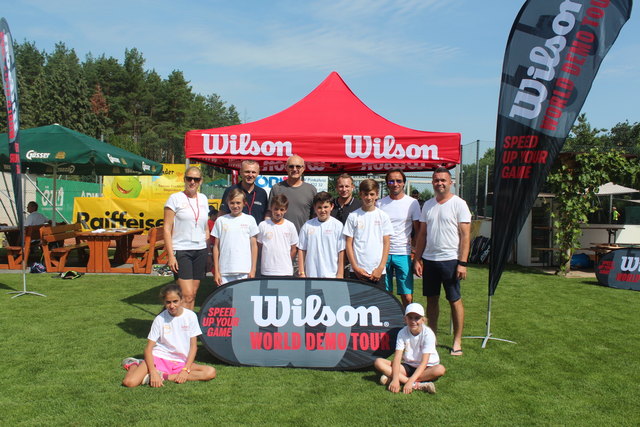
x,y
409,369
445,273
192,264
381,283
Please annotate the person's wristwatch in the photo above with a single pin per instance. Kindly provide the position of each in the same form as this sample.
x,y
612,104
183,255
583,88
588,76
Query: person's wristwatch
x,y
462,263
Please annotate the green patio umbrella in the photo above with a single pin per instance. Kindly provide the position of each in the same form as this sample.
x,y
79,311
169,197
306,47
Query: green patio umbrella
x,y
57,150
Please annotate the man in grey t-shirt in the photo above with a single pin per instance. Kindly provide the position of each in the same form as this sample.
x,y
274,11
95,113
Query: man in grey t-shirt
x,y
299,193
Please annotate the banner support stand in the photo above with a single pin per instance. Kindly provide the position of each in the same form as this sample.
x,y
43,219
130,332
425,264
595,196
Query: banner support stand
x,y
25,258
488,336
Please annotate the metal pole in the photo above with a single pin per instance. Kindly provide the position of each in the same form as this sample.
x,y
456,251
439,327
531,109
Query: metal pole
x,y
477,174
486,189
488,336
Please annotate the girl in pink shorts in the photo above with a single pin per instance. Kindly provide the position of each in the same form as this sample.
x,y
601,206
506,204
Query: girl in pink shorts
x,y
171,347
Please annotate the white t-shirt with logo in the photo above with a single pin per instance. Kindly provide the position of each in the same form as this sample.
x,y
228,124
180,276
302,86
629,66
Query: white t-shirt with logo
x,y
276,241
402,213
414,346
234,234
367,230
443,238
172,334
187,234
322,241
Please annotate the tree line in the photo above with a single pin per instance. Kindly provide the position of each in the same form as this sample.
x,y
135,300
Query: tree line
x,y
121,103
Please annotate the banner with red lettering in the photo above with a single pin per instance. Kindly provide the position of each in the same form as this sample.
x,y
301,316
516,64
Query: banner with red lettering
x,y
553,53
10,84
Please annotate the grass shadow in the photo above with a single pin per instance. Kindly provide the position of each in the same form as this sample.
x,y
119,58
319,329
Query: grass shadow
x,y
146,297
7,287
136,327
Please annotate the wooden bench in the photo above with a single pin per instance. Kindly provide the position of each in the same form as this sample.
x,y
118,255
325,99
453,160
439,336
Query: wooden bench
x,y
56,252
15,254
143,257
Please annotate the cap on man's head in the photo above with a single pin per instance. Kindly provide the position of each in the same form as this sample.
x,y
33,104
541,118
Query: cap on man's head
x,y
414,307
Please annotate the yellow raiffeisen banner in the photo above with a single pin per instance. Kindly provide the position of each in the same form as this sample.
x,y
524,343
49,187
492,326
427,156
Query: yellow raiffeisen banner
x,y
132,201
105,212
146,187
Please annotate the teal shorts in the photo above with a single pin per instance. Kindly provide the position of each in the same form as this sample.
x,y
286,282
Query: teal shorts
x,y
399,266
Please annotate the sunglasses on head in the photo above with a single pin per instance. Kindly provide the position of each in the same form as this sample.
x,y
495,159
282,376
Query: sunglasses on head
x,y
295,166
193,178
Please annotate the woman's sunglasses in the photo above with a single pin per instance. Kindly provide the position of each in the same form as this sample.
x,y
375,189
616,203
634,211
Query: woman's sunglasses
x,y
192,178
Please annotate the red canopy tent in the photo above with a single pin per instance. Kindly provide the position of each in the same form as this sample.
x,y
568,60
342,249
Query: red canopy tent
x,y
333,131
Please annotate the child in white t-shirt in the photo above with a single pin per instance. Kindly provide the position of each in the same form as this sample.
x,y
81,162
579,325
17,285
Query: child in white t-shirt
x,y
321,242
368,232
277,240
416,362
171,347
235,250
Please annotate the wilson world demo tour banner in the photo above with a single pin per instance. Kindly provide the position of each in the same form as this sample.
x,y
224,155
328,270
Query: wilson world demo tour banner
x,y
553,54
301,323
10,84
620,269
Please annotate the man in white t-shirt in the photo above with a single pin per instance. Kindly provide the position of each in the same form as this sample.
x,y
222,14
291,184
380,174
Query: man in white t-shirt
x,y
443,242
404,212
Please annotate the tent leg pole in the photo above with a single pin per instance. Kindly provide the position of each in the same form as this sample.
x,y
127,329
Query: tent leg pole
x,y
488,336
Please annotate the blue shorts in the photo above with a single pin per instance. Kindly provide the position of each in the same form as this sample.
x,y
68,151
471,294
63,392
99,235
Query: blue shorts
x,y
400,267
435,273
192,264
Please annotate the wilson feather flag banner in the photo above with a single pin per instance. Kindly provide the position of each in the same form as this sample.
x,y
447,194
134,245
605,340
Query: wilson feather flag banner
x,y
10,84
553,53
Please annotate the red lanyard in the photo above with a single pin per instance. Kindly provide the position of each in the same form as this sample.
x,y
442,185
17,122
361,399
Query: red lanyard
x,y
193,210
250,206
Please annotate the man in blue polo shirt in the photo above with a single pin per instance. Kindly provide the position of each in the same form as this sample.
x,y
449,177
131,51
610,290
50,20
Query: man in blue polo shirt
x,y
256,199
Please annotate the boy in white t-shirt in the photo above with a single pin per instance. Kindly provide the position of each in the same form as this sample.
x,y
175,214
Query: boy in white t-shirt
x,y
235,249
368,232
416,362
277,240
321,242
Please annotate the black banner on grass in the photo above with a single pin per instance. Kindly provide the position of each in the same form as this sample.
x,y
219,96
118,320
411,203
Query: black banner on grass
x,y
10,84
553,53
620,269
332,324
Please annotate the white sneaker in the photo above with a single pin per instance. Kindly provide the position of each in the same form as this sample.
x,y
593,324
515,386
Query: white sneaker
x,y
147,378
384,379
427,386
127,362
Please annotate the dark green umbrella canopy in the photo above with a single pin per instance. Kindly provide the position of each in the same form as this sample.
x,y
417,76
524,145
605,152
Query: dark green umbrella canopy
x,y
56,149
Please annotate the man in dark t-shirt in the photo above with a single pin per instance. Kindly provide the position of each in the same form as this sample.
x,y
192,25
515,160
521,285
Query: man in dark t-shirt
x,y
345,203
256,199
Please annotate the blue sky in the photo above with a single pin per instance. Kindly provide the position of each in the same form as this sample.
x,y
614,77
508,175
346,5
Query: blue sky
x,y
427,64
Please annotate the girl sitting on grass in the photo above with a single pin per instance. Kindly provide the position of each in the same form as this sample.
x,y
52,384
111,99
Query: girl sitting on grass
x,y
416,363
171,347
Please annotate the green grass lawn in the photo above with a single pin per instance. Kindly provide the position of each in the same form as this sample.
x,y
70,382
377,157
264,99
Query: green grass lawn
x,y
576,362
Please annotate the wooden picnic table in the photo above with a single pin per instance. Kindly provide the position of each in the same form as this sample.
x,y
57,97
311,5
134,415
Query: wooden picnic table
x,y
99,242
